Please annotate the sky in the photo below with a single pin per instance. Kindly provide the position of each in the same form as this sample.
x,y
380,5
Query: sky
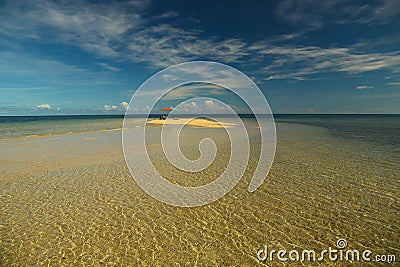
x,y
88,57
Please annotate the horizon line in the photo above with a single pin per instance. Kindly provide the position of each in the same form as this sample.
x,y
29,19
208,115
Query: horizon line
x,y
194,114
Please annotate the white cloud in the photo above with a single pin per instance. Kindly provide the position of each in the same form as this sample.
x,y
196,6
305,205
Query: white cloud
x,y
43,107
110,108
314,14
193,90
94,27
303,61
108,67
169,77
210,105
124,105
120,31
361,87
394,84
201,105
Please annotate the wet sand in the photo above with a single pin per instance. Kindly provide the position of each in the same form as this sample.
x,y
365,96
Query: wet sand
x,y
70,201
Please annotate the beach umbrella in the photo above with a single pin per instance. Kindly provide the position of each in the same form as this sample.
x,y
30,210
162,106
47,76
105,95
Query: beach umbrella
x,y
163,117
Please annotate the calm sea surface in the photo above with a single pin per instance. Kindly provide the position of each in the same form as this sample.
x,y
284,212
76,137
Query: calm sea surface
x,y
69,199
380,130
31,126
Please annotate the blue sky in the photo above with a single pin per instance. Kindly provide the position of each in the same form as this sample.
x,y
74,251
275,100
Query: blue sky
x,y
86,57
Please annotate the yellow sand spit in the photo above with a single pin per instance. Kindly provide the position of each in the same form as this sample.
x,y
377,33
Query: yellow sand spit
x,y
193,122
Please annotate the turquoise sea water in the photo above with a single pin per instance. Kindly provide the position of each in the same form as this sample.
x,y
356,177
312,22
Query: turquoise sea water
x,y
378,130
31,126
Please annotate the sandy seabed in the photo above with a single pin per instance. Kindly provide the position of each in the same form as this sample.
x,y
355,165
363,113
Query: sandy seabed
x,y
71,201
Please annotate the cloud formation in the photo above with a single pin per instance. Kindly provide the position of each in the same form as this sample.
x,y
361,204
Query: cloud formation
x,y
201,105
108,67
124,105
315,14
361,87
122,31
110,108
120,107
394,84
43,107
304,61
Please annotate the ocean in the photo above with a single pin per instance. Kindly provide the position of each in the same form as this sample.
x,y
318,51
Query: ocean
x,y
378,130
35,126
375,129
67,197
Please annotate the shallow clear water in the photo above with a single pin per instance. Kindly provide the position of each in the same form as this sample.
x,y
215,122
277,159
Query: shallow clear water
x,y
69,200
33,126
376,129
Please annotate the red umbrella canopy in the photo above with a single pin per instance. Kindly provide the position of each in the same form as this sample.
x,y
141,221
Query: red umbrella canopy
x,y
166,109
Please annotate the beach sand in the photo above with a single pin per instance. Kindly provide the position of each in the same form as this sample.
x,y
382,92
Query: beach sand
x,y
192,122
71,201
